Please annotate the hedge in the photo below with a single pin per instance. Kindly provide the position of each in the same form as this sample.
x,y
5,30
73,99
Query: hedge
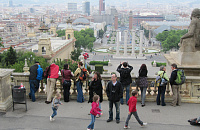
x,y
158,64
99,62
99,68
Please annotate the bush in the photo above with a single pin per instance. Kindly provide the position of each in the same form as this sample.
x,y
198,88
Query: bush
x,y
158,64
99,68
99,62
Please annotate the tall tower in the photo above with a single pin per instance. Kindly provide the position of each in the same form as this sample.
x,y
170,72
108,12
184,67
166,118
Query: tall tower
x,y
130,20
31,32
69,33
53,28
10,3
101,7
86,7
116,21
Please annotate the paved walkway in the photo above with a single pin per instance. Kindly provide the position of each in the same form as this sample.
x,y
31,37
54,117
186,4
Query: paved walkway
x,y
74,116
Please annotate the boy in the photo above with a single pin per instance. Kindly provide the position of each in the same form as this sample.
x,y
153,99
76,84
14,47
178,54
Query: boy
x,y
132,110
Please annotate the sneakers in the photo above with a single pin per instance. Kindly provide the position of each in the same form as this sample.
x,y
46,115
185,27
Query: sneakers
x,y
144,124
52,119
127,127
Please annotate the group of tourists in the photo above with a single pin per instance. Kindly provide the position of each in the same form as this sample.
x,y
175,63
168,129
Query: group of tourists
x,y
114,89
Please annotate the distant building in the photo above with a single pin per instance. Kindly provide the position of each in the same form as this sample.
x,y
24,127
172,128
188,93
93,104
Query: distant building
x,y
32,10
137,19
72,6
10,3
86,8
101,7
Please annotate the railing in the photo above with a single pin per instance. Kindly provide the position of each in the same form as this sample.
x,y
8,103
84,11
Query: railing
x,y
189,90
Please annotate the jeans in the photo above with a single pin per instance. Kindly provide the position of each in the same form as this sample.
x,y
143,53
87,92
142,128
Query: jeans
x,y
143,94
54,112
66,92
33,85
127,94
136,117
80,97
176,95
38,85
117,106
99,106
161,91
91,125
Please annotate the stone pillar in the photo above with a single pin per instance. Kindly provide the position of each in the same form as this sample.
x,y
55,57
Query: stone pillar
x,y
133,42
125,42
5,89
26,68
117,41
141,42
130,20
116,21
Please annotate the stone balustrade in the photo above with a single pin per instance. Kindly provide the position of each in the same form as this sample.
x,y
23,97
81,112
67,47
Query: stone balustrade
x,y
189,90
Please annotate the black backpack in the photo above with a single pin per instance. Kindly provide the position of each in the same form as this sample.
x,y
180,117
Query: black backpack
x,y
46,72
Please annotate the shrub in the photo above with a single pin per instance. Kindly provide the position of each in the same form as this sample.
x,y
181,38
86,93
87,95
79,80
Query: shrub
x,y
99,62
158,64
99,68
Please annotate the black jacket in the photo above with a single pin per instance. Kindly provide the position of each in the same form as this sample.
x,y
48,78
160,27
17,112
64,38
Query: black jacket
x,y
95,87
114,93
123,79
143,73
173,77
33,72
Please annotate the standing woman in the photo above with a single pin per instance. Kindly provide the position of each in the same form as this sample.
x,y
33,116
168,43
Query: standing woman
x,y
95,88
143,83
66,80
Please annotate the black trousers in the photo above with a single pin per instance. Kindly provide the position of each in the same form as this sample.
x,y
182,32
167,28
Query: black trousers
x,y
66,92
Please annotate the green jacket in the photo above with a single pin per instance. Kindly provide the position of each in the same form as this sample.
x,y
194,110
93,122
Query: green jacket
x,y
161,75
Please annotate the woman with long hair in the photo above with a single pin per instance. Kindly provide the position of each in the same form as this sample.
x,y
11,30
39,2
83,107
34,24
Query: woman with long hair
x,y
143,83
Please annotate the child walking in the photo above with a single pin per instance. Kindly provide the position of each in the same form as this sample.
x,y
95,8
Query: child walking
x,y
132,110
94,111
55,104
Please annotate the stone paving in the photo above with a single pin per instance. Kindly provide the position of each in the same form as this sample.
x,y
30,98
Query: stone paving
x,y
74,116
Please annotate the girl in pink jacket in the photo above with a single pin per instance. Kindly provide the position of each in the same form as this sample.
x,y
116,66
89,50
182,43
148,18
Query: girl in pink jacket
x,y
94,111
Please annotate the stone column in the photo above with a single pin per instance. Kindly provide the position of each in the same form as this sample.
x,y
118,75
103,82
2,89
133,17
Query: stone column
x,y
5,89
141,42
117,41
125,42
133,42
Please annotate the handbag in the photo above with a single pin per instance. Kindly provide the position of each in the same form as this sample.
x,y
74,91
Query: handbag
x,y
66,82
161,81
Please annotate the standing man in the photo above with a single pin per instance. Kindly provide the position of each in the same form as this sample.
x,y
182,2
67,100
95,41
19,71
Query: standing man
x,y
125,79
114,93
51,81
33,81
175,87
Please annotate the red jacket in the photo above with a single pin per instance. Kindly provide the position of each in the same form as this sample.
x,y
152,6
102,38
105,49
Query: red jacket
x,y
132,104
67,75
54,69
95,109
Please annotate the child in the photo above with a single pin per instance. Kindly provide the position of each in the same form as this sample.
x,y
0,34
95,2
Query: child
x,y
55,103
132,110
94,111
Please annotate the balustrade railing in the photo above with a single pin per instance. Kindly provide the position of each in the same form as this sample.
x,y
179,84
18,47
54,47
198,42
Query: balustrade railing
x,y
189,90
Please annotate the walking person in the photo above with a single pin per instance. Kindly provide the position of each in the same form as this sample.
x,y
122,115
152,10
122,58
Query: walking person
x,y
132,102
175,86
33,81
81,73
94,111
55,104
51,81
114,93
162,89
143,83
66,80
95,88
125,79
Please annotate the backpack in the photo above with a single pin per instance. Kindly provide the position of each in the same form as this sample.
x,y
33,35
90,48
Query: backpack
x,y
160,81
46,72
124,73
83,74
180,78
39,73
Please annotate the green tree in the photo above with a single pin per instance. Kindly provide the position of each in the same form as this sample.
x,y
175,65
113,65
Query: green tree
x,y
60,33
75,54
11,57
90,46
101,32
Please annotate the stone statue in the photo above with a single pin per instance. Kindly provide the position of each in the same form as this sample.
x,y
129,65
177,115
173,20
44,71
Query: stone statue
x,y
190,42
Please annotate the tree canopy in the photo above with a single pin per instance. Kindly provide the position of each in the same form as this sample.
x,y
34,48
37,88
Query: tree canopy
x,y
170,39
60,33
